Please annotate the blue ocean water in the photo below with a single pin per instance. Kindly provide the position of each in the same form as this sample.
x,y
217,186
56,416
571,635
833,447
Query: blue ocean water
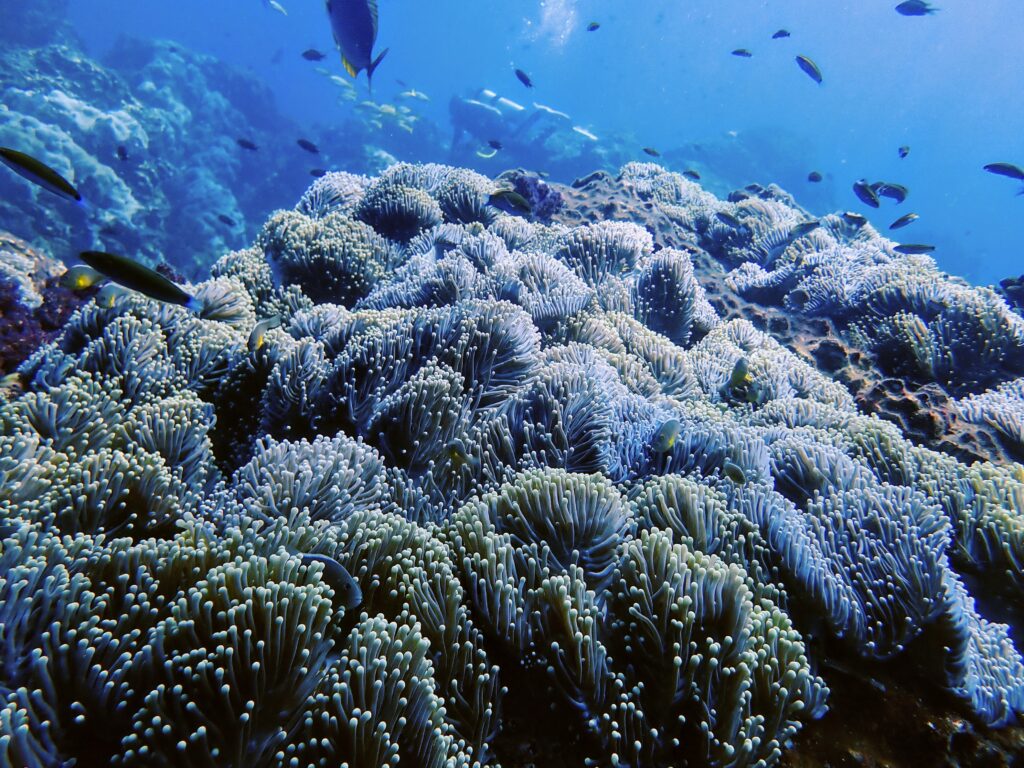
x,y
659,74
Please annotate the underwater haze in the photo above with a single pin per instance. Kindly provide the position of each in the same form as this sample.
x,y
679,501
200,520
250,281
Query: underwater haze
x,y
526,384
660,74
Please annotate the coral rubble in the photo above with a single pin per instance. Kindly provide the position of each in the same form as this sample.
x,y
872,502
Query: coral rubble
x,y
459,408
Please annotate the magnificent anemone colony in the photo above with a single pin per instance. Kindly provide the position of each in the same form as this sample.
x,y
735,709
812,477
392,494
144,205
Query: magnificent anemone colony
x,y
460,407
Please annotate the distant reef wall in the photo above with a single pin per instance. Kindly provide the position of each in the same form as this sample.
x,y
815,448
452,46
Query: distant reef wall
x,y
149,138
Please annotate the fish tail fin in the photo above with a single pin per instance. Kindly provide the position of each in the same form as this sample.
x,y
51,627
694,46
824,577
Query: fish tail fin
x,y
373,66
194,305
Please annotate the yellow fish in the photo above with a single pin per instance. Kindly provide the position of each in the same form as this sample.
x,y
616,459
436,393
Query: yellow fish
x,y
666,436
80,277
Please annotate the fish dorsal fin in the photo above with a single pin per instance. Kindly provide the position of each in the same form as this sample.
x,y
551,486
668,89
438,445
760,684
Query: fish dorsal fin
x,y
371,7
348,67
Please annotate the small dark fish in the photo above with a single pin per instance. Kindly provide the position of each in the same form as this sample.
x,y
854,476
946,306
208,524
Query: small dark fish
x,y
122,152
729,220
316,173
652,152
336,576
754,188
1006,169
902,221
803,228
593,26
854,218
140,278
780,34
895,192
494,144
246,144
904,151
915,8
912,249
38,173
814,176
312,54
224,219
510,201
734,472
810,68
865,193
524,78
691,174
309,146
666,435
743,53
259,332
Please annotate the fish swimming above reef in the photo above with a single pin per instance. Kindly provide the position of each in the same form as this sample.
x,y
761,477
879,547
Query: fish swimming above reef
x,y
275,6
729,220
317,173
354,24
691,174
893,191
494,144
79,277
854,218
666,435
915,8
814,176
782,33
412,93
1009,170
903,151
38,173
510,201
122,152
593,26
247,145
524,78
225,220
336,576
652,152
810,68
801,229
902,221
109,294
743,53
259,332
914,249
584,133
312,54
865,193
309,146
140,278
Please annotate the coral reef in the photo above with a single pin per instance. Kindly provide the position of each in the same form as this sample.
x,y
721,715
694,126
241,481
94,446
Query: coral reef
x,y
466,412
148,137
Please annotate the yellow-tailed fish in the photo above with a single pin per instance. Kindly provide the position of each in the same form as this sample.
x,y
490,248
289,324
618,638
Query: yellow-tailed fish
x,y
80,277
354,24
140,278
666,436
109,294
259,332
740,374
